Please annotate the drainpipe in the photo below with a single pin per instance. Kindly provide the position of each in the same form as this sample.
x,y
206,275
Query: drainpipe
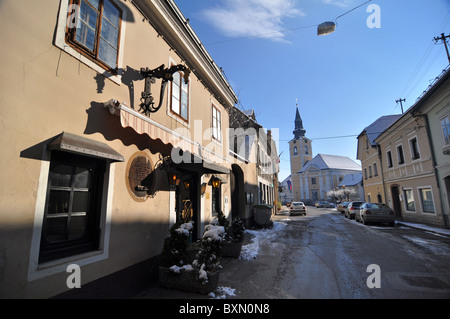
x,y
381,169
433,159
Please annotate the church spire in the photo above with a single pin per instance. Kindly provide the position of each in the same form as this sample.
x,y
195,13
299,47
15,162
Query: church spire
x,y
299,131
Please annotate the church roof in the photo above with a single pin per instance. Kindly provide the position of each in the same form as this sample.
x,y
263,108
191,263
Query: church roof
x,y
351,179
324,161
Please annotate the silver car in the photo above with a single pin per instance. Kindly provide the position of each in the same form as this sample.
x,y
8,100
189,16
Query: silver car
x,y
297,208
375,213
351,209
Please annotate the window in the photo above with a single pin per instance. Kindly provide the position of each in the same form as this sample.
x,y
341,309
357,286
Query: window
x,y
375,169
365,173
414,149
306,149
216,124
295,150
180,96
73,204
370,171
426,198
445,126
389,158
409,200
97,31
313,180
400,157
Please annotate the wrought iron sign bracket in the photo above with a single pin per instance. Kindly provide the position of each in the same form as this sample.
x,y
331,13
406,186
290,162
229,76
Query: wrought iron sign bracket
x,y
147,105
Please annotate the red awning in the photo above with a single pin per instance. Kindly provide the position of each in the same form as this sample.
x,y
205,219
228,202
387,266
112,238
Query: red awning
x,y
143,124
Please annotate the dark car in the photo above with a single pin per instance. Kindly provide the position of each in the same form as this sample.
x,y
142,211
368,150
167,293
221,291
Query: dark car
x,y
342,206
375,213
351,209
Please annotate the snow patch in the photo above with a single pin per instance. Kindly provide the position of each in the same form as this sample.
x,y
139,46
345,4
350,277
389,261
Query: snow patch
x,y
250,251
222,293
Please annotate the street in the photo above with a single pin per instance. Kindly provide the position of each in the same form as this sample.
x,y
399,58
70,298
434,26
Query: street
x,y
324,255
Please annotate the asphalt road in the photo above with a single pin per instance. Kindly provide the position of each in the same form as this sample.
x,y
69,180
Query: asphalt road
x,y
324,255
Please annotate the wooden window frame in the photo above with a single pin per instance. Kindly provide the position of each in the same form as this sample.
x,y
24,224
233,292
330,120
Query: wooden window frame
x,y
53,250
217,122
171,108
93,55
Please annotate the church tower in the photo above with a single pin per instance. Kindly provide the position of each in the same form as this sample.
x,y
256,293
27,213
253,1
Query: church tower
x,y
300,153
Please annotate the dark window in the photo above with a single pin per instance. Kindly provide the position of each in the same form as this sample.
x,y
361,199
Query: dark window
x,y
389,158
97,31
414,149
401,158
73,204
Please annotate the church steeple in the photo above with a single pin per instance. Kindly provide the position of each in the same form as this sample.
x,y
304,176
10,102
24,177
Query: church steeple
x,y
298,131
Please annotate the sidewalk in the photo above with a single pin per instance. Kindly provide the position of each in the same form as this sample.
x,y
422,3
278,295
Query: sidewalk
x,y
437,230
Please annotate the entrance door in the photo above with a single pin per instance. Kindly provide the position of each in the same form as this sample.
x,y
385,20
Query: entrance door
x,y
187,202
237,192
396,202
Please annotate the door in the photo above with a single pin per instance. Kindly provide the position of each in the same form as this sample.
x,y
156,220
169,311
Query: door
x,y
396,202
187,202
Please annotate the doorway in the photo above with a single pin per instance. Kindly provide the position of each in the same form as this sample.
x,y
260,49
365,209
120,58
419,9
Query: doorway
x,y
186,198
237,192
396,202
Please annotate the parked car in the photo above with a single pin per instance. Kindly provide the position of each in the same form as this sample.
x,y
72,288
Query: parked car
x,y
351,209
297,208
321,204
342,206
375,213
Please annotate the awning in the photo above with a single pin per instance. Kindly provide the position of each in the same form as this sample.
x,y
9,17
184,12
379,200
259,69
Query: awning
x,y
144,125
76,144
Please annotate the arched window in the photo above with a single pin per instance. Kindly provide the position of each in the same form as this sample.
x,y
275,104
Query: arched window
x,y
295,150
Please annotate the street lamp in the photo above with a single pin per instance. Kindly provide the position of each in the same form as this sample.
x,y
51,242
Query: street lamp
x,y
326,28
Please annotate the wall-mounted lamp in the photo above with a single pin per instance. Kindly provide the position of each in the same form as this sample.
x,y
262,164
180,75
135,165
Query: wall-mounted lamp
x,y
216,183
187,184
166,74
174,179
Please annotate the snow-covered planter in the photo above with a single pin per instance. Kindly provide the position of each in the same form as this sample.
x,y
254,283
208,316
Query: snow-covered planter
x,y
234,235
187,279
202,275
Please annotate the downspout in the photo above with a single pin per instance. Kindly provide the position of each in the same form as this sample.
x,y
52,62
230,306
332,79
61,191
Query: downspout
x,y
433,159
381,169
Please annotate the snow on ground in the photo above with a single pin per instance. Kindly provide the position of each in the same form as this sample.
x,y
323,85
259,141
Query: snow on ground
x,y
222,293
250,251
435,246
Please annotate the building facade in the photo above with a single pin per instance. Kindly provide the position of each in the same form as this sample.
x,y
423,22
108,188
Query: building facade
x,y
368,152
109,165
324,173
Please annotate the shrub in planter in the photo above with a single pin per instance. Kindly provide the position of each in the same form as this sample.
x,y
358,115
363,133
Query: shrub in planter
x,y
234,235
202,275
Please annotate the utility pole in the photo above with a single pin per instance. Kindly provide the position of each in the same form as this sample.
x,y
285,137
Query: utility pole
x,y
401,105
443,38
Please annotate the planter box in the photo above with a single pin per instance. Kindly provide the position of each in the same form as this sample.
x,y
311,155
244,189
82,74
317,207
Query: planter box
x,y
187,280
232,249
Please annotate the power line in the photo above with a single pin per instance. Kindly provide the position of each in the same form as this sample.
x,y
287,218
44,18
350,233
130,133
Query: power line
x,y
284,30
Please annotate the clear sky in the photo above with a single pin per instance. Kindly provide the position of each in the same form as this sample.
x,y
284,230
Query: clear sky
x,y
271,55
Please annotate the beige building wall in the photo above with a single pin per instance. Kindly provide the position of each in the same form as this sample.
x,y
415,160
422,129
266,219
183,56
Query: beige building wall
x,y
411,188
372,172
46,90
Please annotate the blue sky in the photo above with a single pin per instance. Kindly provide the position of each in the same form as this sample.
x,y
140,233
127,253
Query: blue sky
x,y
271,55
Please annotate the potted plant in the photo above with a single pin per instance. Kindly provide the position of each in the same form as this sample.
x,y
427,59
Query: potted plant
x,y
234,235
202,275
